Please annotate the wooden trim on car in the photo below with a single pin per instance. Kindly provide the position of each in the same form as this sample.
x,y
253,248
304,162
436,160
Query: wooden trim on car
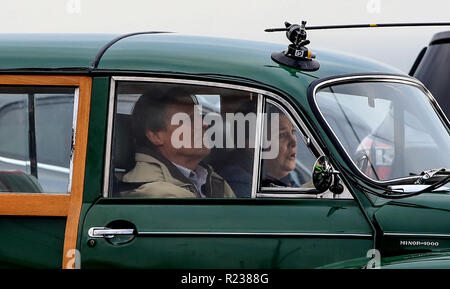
x,y
34,204
51,80
64,205
76,197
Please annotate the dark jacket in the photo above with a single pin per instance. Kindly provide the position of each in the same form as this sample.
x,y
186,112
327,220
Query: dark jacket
x,y
238,172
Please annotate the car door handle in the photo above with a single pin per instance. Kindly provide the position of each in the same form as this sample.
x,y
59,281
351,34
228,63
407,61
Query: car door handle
x,y
104,232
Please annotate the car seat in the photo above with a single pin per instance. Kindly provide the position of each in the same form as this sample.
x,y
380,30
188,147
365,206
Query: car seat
x,y
123,153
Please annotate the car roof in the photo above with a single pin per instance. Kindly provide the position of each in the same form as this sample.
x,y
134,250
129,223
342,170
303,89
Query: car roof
x,y
172,52
50,51
441,37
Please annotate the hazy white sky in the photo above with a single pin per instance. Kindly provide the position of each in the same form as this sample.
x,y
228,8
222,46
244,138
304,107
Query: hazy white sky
x,y
244,19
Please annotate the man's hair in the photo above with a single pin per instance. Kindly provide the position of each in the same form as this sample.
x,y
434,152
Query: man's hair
x,y
150,111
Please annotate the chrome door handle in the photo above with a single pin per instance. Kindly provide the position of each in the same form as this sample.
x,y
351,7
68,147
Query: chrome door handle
x,y
103,232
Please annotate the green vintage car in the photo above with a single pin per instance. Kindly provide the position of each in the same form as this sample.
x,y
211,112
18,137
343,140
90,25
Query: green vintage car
x,y
359,179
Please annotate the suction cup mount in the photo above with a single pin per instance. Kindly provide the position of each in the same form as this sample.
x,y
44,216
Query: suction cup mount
x,y
297,55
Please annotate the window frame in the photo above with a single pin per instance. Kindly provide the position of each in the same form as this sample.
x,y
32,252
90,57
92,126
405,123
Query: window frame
x,y
264,96
54,204
289,192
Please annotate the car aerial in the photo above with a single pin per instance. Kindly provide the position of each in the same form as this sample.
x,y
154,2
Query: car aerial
x,y
367,151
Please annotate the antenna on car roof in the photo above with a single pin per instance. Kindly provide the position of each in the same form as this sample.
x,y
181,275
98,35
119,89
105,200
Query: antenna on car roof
x,y
300,57
364,26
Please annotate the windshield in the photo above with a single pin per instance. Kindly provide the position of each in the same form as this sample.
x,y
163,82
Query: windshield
x,y
390,130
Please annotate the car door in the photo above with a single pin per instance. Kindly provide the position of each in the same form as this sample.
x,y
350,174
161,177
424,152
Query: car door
x,y
266,225
41,168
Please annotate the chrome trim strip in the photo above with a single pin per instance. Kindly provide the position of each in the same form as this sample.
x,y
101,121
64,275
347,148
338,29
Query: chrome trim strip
x,y
258,140
108,233
378,78
257,234
268,94
74,137
285,189
291,196
416,235
109,130
185,81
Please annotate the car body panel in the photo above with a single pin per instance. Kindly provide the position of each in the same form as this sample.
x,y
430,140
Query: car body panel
x,y
31,242
240,233
50,51
418,224
96,140
247,60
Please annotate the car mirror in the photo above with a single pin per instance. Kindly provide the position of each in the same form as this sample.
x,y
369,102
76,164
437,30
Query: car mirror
x,y
322,175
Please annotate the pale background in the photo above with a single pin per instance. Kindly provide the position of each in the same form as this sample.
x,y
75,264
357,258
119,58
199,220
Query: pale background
x,y
243,19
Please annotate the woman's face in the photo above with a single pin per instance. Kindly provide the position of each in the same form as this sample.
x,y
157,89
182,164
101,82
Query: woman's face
x,y
284,163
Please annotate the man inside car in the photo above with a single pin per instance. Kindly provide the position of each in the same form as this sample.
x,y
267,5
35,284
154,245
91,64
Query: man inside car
x,y
162,170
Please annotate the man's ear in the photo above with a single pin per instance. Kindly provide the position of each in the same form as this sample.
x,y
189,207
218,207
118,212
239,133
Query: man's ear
x,y
155,137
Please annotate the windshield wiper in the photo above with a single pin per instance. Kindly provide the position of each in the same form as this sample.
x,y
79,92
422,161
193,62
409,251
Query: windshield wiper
x,y
425,175
389,193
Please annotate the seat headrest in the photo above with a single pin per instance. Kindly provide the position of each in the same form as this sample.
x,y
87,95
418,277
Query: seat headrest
x,y
123,150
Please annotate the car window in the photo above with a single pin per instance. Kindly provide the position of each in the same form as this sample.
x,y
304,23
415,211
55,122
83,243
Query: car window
x,y
286,159
182,141
35,138
390,130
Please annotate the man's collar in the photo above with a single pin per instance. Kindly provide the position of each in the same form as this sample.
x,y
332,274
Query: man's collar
x,y
174,171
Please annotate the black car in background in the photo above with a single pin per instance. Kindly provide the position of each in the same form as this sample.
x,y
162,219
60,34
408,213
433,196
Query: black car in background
x,y
432,67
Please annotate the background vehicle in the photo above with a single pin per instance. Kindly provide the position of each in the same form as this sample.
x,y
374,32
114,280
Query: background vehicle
x,y
433,69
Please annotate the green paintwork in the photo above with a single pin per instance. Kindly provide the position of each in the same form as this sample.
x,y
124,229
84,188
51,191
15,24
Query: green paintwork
x,y
49,51
424,214
431,207
253,216
250,60
239,62
31,242
96,139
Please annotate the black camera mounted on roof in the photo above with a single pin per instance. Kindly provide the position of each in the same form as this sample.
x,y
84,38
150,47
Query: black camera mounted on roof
x,y
299,57
297,54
